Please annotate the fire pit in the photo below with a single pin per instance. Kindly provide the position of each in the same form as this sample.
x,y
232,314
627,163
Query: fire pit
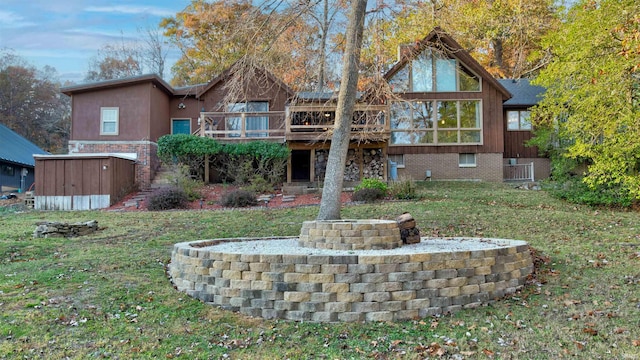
x,y
306,279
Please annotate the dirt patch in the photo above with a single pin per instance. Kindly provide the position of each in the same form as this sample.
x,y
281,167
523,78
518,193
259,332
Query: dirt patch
x,y
211,195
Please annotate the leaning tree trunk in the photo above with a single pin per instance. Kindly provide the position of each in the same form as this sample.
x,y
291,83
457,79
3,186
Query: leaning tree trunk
x,y
334,176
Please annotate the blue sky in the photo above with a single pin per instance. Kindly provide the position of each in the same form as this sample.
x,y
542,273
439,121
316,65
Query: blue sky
x,y
65,34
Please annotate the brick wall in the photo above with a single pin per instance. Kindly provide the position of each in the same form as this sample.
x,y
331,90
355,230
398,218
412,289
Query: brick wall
x,y
446,167
147,161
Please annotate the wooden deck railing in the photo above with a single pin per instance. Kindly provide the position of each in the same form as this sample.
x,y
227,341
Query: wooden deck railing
x,y
297,123
519,172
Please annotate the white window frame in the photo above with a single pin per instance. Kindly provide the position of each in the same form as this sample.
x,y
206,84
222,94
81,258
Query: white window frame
x,y
463,160
103,111
398,159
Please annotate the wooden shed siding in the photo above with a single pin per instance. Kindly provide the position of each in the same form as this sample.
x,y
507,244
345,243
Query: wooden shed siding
x,y
65,182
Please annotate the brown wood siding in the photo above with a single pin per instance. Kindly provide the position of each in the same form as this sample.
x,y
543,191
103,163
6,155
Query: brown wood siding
x,y
514,145
133,103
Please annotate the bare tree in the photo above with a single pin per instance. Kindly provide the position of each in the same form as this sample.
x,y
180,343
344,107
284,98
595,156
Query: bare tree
x,y
115,61
334,178
154,50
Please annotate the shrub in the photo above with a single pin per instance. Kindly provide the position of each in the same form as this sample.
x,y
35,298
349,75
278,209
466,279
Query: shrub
x,y
181,178
368,195
403,189
574,190
238,198
370,183
166,199
260,185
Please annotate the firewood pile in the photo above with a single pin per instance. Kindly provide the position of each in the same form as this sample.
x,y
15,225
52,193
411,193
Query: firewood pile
x,y
373,164
409,232
351,168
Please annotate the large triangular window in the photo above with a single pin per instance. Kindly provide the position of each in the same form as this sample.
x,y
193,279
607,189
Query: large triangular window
x,y
432,71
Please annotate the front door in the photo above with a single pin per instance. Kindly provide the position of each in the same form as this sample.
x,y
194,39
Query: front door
x,y
180,126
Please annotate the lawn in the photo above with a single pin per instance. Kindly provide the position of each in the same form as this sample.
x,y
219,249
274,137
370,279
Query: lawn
x,y
107,295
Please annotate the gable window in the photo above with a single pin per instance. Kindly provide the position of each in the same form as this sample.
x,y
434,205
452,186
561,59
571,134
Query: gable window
x,y
431,71
467,160
252,125
436,122
109,118
518,120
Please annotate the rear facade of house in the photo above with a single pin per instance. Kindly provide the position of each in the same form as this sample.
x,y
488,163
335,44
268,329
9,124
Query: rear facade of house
x,y
446,118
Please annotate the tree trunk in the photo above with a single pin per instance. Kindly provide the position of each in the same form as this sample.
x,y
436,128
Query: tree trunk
x,y
330,204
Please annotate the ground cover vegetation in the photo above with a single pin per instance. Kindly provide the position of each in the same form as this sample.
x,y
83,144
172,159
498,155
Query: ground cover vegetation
x,y
107,295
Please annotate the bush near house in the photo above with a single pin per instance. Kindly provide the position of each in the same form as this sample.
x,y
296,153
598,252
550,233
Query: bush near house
x,y
167,198
238,163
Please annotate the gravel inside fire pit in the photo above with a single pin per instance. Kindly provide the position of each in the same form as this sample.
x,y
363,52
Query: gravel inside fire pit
x,y
427,245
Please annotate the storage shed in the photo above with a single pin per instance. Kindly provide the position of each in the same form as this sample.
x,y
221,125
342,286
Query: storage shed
x,y
82,181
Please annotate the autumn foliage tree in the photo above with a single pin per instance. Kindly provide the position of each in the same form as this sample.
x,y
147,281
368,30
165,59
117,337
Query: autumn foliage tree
x,y
590,114
214,35
115,61
31,103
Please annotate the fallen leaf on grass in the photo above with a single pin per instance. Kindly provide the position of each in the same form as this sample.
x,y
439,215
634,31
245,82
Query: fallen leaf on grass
x,y
590,331
636,342
488,353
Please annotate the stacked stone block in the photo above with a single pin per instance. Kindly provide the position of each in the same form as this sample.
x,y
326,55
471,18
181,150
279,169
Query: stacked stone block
x,y
330,288
350,235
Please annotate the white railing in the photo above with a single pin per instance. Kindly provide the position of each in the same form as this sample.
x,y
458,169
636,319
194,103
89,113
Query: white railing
x,y
518,172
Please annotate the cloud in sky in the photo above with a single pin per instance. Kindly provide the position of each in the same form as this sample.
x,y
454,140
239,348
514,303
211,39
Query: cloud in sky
x,y
65,34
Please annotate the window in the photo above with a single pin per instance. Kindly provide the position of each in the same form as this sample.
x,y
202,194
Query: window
x,y
252,123
398,159
518,120
430,71
109,120
434,122
7,170
467,160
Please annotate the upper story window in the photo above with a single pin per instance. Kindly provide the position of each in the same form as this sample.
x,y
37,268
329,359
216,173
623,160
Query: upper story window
x,y
434,122
109,119
518,120
431,71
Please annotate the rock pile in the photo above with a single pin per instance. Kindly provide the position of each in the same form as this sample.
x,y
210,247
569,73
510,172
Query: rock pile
x,y
409,232
49,229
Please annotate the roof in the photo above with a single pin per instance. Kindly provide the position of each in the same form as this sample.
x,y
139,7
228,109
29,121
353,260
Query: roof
x,y
16,149
439,36
233,68
115,83
524,94
126,156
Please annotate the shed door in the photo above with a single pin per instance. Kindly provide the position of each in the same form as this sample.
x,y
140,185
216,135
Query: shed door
x,y
181,126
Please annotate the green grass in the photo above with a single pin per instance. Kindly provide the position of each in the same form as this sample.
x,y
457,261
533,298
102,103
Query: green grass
x,y
107,295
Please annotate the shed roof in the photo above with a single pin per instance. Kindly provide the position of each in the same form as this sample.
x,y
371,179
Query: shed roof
x,y
524,93
16,149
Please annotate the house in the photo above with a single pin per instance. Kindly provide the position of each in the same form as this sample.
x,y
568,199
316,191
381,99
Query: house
x,y
443,117
16,161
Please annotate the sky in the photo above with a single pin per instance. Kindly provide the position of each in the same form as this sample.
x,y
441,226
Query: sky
x,y
66,34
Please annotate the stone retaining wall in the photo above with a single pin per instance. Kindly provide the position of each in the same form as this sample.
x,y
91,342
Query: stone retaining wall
x,y
325,288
